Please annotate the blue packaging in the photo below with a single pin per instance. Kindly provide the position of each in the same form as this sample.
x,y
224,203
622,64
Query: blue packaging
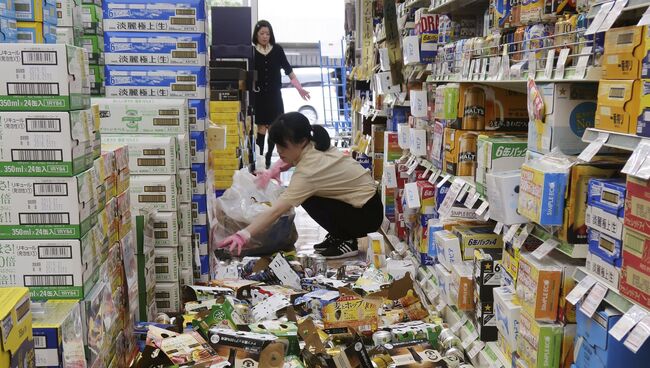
x,y
8,30
605,247
197,177
197,147
205,264
364,161
219,193
400,115
199,209
49,33
7,9
34,11
130,48
201,236
155,16
198,113
156,81
608,195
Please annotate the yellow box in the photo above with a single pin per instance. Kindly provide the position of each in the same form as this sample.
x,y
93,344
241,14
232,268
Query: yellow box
x,y
16,339
619,105
625,50
216,137
538,287
224,174
225,163
539,344
222,184
225,106
224,117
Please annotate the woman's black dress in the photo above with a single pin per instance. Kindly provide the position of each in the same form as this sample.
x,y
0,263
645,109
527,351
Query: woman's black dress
x,y
268,101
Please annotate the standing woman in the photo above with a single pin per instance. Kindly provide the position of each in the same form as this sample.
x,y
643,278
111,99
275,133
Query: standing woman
x,y
269,59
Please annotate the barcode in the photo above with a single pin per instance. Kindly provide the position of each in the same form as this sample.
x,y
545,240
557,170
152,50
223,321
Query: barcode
x,y
44,219
167,121
23,7
40,342
25,37
48,280
182,21
186,78
161,235
624,38
153,152
185,12
168,112
162,269
43,125
152,198
40,89
186,45
52,252
39,58
160,225
50,189
154,188
162,303
176,87
617,92
22,310
184,54
36,155
151,162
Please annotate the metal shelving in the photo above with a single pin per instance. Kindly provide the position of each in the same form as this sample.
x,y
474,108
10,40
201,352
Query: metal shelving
x,y
622,141
613,297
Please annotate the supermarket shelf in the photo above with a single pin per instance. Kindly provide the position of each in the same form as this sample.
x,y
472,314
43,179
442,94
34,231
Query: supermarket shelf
x,y
622,141
570,250
459,7
416,3
632,5
613,297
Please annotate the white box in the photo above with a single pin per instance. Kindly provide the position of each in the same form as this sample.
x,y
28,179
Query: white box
x,y
185,189
507,312
168,297
503,194
69,14
444,279
187,276
47,208
143,116
156,81
156,192
161,16
411,49
44,77
184,151
448,249
166,229
605,222
605,272
186,254
148,155
154,48
45,143
185,218
167,263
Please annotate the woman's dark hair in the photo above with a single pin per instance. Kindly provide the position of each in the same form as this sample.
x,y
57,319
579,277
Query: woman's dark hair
x,y
259,25
294,127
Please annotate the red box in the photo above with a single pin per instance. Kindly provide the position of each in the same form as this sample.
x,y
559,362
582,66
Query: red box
x,y
637,205
400,226
635,284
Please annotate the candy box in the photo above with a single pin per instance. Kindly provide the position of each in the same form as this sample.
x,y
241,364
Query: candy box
x,y
16,343
160,16
125,48
539,344
538,287
148,154
608,194
58,334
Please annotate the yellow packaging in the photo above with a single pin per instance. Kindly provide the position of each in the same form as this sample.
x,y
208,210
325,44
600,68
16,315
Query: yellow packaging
x,y
216,137
538,287
353,311
226,163
462,288
222,184
461,147
225,106
510,262
625,50
226,153
224,117
16,339
224,174
619,105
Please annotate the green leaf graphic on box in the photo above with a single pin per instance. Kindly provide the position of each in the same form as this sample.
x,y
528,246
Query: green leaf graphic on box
x,y
132,119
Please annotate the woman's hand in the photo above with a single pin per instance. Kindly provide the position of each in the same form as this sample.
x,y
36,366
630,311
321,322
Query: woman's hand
x,y
263,178
304,94
237,240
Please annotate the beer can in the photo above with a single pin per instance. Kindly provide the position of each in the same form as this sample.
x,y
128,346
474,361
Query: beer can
x,y
318,264
467,154
303,259
454,355
474,109
448,339
381,337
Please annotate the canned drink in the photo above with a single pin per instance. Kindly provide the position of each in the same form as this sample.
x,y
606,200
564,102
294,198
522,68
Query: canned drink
x,y
455,354
467,154
474,109
403,335
318,264
448,339
381,337
303,259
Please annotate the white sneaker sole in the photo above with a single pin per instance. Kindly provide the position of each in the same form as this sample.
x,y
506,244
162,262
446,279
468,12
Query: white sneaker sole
x,y
344,255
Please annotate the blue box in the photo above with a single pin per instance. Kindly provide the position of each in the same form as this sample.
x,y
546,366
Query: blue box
x,y
155,16
205,264
156,81
197,147
219,193
35,11
130,48
607,248
7,9
199,209
200,233
599,349
197,177
608,195
36,32
198,112
8,30
427,260
400,116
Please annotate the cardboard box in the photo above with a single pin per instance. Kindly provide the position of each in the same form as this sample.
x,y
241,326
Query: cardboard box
x,y
539,283
503,194
637,205
460,151
482,107
158,192
48,208
70,36
42,77
34,32
485,321
143,116
498,154
626,49
507,314
184,151
249,349
198,178
199,209
7,9
91,17
185,218
156,82
43,11
8,30
542,191
166,229
225,106
462,286
197,147
185,187
619,105
149,155
17,345
448,248
198,115
447,98
167,264
98,305
162,16
605,272
472,238
569,111
487,275
51,320
604,222
608,194
567,266
70,15
127,48
94,46
607,248
539,344
120,160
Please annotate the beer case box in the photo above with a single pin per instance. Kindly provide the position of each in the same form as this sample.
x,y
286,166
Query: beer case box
x,y
108,220
603,271
447,102
503,194
167,264
166,229
199,209
507,314
187,276
43,77
539,283
635,279
539,344
567,266
485,320
426,192
462,286
70,15
448,248
185,253
185,187
168,297
542,192
620,105
143,116
70,36
16,340
43,11
201,236
52,320
187,16
148,155
496,154
482,107
94,46
185,218
91,18
487,274
120,160
604,222
569,111
184,151
626,49
124,217
97,76
605,247
608,194
7,9
198,115
35,32
156,192
637,205
460,151
197,147
8,30
156,81
127,48
225,106
472,238
443,279
98,306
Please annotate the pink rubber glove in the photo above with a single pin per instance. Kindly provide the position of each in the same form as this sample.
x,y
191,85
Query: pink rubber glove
x,y
263,178
237,240
303,93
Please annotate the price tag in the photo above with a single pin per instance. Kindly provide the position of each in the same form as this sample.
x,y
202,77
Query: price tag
x,y
495,66
592,149
472,201
581,65
510,234
412,168
612,16
403,135
486,217
645,19
639,162
478,346
516,72
472,69
441,306
545,248
450,198
504,70
498,229
418,102
470,339
443,181
598,20
434,176
463,191
412,196
419,141
390,176
561,61
593,300
638,335
532,65
459,324
482,208
581,289
628,321
520,239
470,195
548,69
484,68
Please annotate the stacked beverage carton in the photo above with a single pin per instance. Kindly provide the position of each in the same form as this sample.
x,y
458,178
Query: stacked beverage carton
x,y
8,27
93,42
36,21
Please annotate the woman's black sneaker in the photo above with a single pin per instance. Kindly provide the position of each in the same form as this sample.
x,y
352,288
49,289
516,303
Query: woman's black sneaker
x,y
326,243
342,249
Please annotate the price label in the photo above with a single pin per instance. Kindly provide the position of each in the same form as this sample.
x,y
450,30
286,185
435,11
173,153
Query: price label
x,y
390,176
545,248
495,66
484,68
504,70
498,229
412,195
470,339
434,176
476,348
617,9
645,19
639,162
472,68
482,208
630,319
561,62
598,20
463,191
443,181
592,149
548,69
581,289
532,65
638,335
593,300
418,102
510,234
472,201
451,196
581,65
470,195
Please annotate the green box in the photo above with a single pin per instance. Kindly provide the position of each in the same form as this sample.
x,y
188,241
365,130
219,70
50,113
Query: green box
x,y
92,17
497,154
94,46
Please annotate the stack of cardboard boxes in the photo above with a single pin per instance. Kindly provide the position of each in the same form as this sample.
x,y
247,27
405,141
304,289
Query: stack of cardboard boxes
x,y
93,42
8,27
37,21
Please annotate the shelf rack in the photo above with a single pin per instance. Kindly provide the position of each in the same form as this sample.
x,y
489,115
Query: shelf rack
x,y
622,141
